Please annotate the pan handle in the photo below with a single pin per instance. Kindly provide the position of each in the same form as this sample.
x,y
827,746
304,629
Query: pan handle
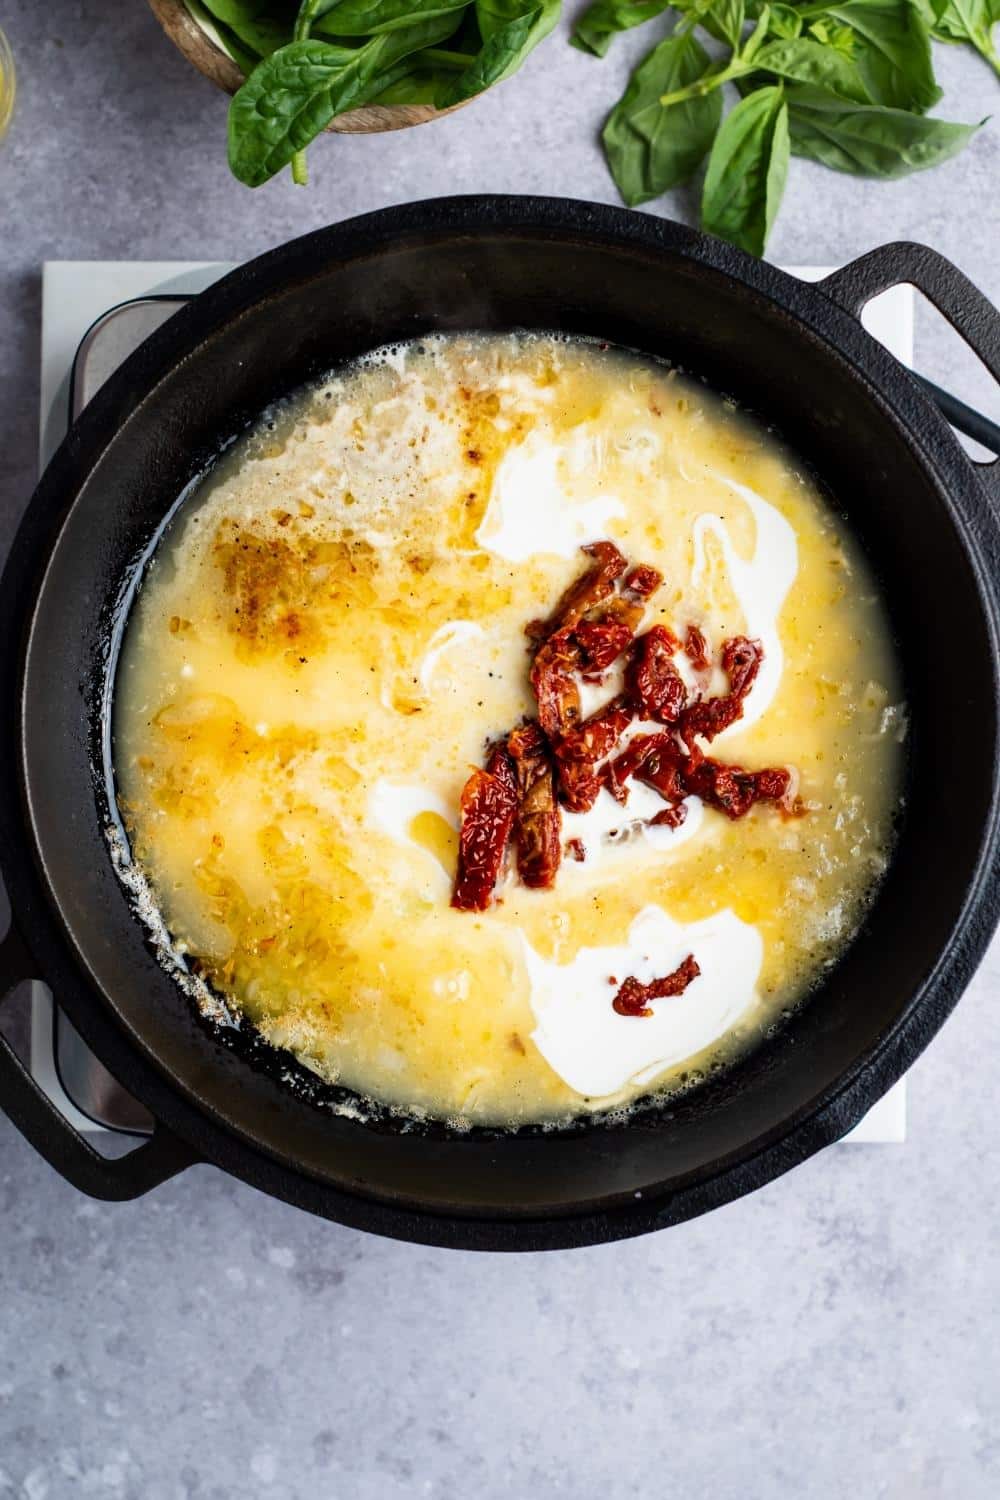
x,y
969,312
42,1125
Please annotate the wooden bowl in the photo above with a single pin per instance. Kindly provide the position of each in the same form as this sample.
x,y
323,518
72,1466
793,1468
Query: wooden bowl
x,y
200,50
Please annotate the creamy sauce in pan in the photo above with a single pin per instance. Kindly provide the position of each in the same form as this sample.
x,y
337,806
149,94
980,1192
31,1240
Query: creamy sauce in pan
x,y
333,627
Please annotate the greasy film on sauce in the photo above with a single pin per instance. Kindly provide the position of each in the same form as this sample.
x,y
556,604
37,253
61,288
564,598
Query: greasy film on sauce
x,y
508,728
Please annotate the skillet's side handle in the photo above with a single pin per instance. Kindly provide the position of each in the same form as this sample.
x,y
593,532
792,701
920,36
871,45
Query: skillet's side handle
x,y
42,1125
969,312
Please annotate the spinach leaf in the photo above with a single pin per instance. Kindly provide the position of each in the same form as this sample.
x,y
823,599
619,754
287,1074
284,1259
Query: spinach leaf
x,y
651,147
510,30
808,61
747,170
371,17
244,59
418,79
492,16
869,140
968,21
294,94
600,22
239,13
256,32
309,11
891,47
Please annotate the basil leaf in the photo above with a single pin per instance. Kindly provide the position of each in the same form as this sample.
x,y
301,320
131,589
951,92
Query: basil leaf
x,y
651,147
705,13
510,30
372,17
786,22
747,170
294,94
602,20
891,47
968,21
729,17
808,61
869,140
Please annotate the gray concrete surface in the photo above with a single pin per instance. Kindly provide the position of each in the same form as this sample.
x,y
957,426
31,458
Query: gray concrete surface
x,y
835,1334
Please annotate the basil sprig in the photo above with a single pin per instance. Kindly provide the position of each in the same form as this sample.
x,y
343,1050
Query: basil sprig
x,y
847,83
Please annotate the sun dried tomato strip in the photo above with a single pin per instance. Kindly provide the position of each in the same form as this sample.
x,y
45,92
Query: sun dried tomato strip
x,y
642,580
741,660
579,753
696,649
592,587
552,679
588,630
670,817
658,761
606,632
601,642
653,758
539,820
654,684
663,768
732,789
488,804
633,998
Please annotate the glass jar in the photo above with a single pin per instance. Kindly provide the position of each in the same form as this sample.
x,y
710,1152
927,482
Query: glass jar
x,y
8,84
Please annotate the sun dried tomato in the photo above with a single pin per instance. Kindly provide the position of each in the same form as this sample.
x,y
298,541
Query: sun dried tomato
x,y
579,753
601,642
654,684
618,771
559,758
642,580
696,649
589,590
556,690
589,629
670,817
733,789
538,819
488,804
633,998
741,660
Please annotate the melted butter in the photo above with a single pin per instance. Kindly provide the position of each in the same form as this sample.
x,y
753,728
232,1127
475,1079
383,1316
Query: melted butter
x,y
334,627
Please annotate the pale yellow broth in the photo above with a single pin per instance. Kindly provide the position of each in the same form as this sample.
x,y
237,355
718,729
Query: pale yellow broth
x,y
271,674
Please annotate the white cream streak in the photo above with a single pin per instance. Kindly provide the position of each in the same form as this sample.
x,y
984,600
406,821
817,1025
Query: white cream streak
x,y
760,583
599,1052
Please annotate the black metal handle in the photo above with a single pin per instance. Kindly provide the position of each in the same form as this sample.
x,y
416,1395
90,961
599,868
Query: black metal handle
x,y
969,312
51,1134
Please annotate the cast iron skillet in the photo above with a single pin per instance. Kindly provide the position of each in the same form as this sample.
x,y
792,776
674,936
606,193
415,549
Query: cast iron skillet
x,y
795,354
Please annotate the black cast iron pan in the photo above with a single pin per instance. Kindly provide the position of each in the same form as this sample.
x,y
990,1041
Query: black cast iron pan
x,y
796,355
